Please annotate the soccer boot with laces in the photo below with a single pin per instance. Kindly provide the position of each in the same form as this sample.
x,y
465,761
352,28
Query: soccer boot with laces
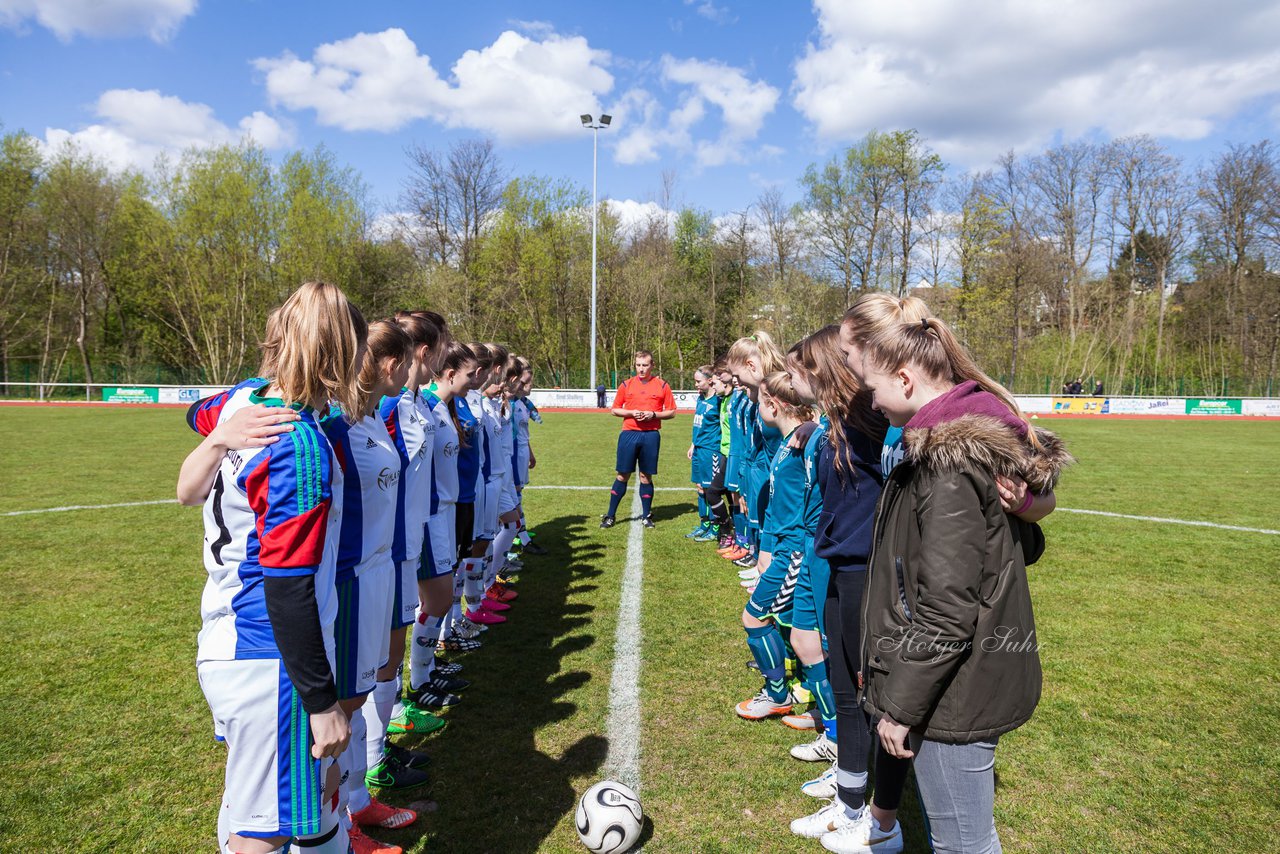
x,y
648,522
415,720
500,592
391,773
707,535
455,642
762,706
485,618
821,749
533,548
822,786
736,553
698,529
829,818
406,757
494,606
426,697
804,721
607,521
747,561
361,844
447,668
378,814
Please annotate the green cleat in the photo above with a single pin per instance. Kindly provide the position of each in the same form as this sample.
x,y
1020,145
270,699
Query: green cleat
x,y
416,720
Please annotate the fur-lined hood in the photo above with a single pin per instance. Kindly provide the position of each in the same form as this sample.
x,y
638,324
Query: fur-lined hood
x,y
990,444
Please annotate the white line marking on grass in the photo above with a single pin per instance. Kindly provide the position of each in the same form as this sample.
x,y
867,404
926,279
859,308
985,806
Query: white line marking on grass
x,y
88,507
1192,522
688,488
623,761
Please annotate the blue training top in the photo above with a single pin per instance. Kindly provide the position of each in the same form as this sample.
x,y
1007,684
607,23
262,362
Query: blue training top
x,y
785,519
469,454
848,500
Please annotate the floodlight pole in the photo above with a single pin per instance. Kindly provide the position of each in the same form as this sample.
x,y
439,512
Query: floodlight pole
x,y
595,126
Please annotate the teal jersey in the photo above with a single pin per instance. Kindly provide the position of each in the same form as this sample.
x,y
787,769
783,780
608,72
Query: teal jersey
x,y
726,424
765,440
738,438
785,518
892,452
706,423
812,494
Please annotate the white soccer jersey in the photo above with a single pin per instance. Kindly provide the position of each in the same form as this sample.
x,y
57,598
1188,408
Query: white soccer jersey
x,y
412,428
371,482
520,435
273,511
497,429
444,480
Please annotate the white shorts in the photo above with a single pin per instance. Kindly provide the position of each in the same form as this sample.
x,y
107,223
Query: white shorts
x,y
486,525
440,549
508,499
404,593
273,787
522,465
362,631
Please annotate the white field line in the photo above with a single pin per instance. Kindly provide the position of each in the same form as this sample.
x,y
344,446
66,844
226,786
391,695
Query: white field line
x,y
1196,523
623,761
1167,521
70,507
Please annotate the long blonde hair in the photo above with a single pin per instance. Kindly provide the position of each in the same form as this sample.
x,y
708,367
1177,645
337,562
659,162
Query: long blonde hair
x,y
312,345
838,391
875,312
931,347
777,386
761,349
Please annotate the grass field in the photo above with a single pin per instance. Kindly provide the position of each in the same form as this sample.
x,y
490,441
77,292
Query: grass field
x,y
1157,731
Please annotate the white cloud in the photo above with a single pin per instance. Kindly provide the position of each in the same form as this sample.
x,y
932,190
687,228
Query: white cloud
x,y
636,217
158,19
710,11
518,88
743,105
137,126
978,78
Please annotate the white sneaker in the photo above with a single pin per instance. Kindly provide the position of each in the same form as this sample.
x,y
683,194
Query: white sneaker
x,y
750,583
749,574
762,706
829,819
822,786
464,628
864,837
821,749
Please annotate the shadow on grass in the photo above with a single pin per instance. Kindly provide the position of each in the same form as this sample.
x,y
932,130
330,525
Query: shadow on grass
x,y
495,789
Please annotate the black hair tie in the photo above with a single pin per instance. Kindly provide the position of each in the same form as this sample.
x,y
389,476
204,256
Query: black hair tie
x,y
924,323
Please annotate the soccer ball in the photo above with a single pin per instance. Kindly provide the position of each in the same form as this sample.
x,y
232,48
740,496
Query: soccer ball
x,y
609,818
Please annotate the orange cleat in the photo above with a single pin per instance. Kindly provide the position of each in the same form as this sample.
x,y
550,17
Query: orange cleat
x,y
378,814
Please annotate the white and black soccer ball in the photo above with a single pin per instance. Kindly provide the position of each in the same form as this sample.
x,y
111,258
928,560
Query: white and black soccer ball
x,y
609,818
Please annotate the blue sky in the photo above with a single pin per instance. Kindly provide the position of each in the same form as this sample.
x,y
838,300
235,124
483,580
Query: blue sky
x,y
732,97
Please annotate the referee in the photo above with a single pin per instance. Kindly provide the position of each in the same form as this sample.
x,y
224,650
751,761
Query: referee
x,y
643,403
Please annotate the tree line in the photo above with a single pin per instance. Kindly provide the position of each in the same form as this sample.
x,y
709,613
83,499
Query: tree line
x,y
1100,260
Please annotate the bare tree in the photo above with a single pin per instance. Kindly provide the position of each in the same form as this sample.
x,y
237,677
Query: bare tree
x,y
452,194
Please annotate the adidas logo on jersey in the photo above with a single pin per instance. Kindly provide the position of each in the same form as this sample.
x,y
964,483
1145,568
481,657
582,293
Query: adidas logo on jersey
x,y
369,443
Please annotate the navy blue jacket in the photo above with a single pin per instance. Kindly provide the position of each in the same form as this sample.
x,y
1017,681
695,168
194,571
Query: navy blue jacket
x,y
848,502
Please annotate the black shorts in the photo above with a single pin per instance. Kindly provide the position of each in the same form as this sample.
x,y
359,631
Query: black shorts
x,y
464,524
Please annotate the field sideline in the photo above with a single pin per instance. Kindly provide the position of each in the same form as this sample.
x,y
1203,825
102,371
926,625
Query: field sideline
x,y
1157,731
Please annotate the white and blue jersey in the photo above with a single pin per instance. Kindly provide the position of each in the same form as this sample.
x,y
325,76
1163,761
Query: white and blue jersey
x,y
371,481
498,441
411,427
273,511
440,547
520,445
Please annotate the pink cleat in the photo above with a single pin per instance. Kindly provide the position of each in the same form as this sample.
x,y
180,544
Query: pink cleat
x,y
484,617
494,605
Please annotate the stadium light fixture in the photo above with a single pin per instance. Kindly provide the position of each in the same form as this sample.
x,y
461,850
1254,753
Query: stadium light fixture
x,y
595,128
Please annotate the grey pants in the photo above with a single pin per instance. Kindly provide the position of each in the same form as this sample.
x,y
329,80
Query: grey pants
x,y
957,793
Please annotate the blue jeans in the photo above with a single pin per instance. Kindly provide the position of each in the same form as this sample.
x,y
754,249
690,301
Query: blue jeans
x,y
957,793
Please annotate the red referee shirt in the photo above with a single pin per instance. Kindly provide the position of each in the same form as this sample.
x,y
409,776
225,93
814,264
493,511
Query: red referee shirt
x,y
651,395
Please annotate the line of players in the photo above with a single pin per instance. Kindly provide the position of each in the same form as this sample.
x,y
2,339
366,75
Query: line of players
x,y
789,458
367,484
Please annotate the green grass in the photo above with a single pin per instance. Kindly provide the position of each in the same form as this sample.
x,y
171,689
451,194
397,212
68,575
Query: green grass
x,y
1158,726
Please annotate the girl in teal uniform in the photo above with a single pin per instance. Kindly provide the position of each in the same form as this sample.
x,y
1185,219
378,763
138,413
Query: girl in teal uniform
x,y
704,451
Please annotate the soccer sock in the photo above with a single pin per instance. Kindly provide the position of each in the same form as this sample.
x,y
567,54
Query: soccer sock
x,y
422,655
398,708
702,507
646,498
473,582
616,492
851,791
357,791
502,544
459,581
815,679
332,838
377,714
766,647
740,525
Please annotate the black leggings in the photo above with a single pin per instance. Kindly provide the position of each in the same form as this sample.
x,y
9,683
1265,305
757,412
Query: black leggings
x,y
843,612
464,520
716,498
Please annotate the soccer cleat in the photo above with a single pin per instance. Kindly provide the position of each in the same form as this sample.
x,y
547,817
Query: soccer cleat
x,y
507,577
647,521
390,773
447,668
701,526
804,721
831,817
749,574
761,706
455,642
485,618
750,584
361,844
707,535
406,757
533,549
607,521
736,553
822,786
821,749
500,593
801,693
378,814
513,565
415,720
468,629
747,561
726,546
445,684
426,697
493,606
752,664
863,836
